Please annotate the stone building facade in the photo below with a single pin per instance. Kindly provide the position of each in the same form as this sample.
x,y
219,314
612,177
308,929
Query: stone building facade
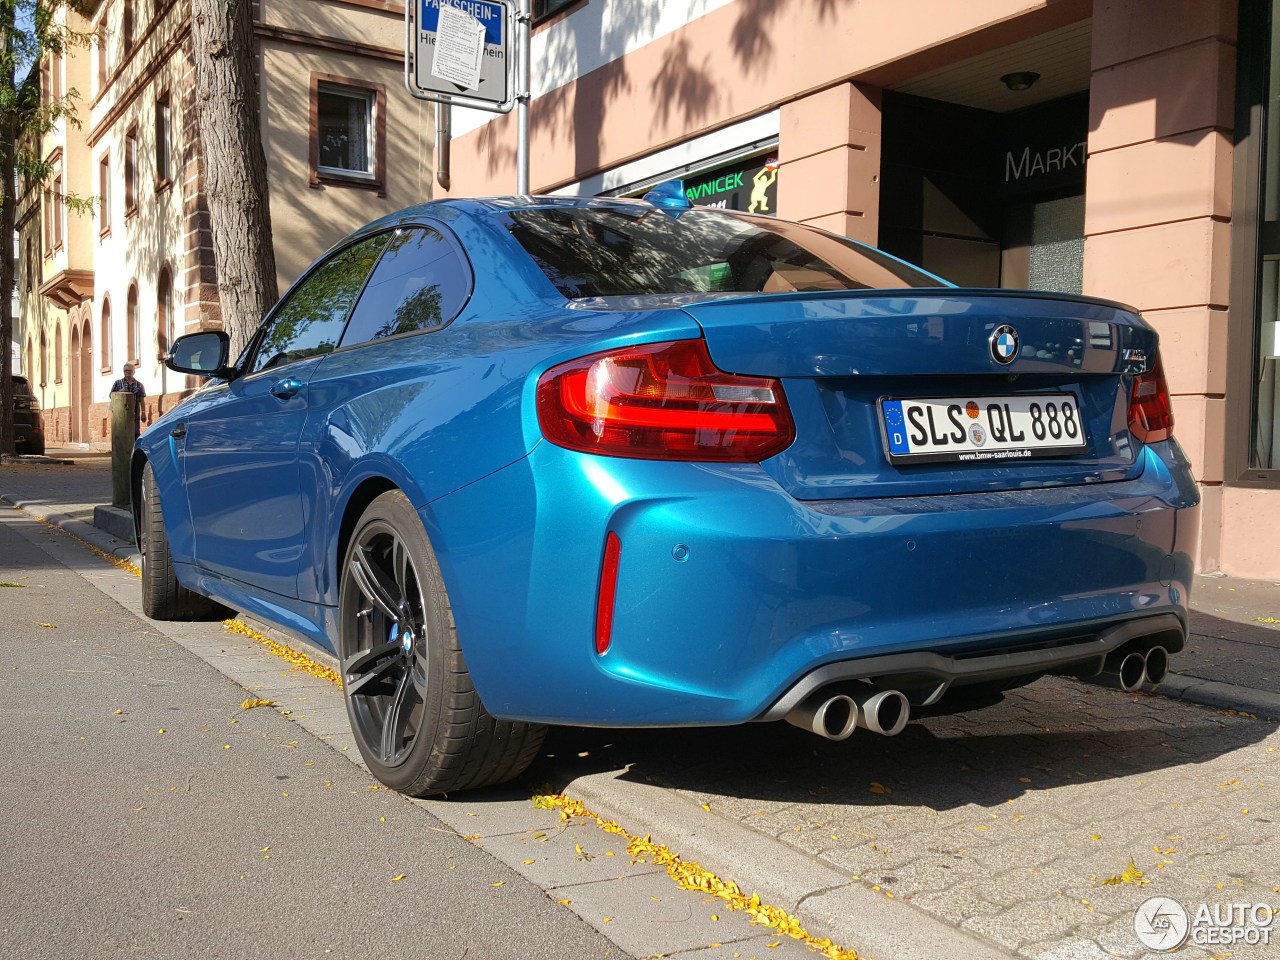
x,y
344,144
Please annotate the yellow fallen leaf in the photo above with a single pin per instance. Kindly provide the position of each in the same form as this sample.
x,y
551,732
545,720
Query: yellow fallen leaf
x,y
225,746
564,903
880,788
608,919
1024,779
706,807
397,878
252,702
1131,874
1096,836
382,819
161,730
527,862
715,916
118,712
498,884
51,626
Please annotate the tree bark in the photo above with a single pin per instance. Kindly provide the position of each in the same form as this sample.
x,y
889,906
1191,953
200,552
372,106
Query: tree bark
x,y
235,167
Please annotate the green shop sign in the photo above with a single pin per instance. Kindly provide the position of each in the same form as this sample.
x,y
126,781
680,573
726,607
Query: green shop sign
x,y
750,185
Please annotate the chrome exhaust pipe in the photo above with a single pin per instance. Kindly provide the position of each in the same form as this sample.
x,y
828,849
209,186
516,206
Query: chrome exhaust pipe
x,y
833,716
1125,671
885,712
1157,664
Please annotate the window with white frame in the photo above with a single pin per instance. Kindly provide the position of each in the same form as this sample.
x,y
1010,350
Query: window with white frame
x,y
345,130
347,122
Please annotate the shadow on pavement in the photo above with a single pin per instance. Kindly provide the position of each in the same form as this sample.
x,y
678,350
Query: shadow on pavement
x,y
1053,733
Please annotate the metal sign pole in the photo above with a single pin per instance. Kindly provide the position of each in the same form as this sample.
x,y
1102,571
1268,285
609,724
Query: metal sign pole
x,y
524,55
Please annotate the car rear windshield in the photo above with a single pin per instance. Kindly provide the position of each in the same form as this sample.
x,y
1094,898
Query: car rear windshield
x,y
617,251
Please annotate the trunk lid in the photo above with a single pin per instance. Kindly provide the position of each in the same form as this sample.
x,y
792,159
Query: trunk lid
x,y
847,359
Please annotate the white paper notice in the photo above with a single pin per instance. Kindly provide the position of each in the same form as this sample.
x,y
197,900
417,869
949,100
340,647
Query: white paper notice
x,y
459,48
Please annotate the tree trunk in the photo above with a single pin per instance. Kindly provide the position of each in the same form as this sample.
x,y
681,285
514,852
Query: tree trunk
x,y
235,167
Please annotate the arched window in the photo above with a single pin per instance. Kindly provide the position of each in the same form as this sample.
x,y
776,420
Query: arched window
x,y
57,353
164,312
131,321
106,335
44,359
30,368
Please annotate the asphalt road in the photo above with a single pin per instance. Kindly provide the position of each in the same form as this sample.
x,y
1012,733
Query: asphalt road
x,y
148,815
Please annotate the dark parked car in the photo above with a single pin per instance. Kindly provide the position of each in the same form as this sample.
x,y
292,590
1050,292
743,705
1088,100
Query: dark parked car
x,y
536,460
28,421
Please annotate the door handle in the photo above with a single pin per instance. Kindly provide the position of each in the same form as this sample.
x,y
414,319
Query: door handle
x,y
286,389
179,430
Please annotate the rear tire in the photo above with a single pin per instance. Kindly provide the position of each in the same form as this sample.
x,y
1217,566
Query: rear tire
x,y
419,723
163,597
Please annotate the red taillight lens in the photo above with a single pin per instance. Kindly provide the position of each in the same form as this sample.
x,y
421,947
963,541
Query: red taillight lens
x,y
1150,409
608,592
663,401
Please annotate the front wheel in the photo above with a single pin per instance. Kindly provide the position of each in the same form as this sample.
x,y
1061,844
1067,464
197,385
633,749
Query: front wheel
x,y
417,719
163,597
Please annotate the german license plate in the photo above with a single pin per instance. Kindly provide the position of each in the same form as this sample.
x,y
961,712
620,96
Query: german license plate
x,y
981,429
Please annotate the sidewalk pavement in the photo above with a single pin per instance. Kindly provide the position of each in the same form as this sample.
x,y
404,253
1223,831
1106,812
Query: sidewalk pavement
x,y
1232,658
987,834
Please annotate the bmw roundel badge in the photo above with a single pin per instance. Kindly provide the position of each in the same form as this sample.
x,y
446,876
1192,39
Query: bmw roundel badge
x,y
1004,344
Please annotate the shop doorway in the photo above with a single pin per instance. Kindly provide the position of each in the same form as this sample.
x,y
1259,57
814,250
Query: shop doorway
x,y
986,199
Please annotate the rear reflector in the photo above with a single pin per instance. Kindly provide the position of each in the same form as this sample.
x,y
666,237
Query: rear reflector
x,y
1150,409
608,591
663,401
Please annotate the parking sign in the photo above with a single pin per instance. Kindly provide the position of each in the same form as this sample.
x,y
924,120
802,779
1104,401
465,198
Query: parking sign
x,y
439,52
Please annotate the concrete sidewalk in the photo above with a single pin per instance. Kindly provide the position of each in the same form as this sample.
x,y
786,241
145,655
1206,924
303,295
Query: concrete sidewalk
x,y
1232,659
994,833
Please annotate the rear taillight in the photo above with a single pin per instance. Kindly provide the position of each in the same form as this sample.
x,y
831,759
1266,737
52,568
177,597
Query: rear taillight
x,y
1150,409
663,401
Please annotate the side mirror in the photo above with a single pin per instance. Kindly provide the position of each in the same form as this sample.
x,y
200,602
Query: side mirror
x,y
203,354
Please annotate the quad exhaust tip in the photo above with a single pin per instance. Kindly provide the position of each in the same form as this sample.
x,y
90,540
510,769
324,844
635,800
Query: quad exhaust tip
x,y
1129,671
836,716
832,716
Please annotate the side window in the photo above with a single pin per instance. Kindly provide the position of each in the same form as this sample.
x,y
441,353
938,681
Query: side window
x,y
420,284
310,321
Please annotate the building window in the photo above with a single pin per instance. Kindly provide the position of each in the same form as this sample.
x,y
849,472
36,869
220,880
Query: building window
x,y
126,26
57,353
164,157
131,326
545,8
1255,299
44,359
348,120
101,45
164,313
106,335
104,195
131,172
58,211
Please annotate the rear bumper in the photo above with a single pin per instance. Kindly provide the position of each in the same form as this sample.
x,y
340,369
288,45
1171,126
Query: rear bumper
x,y
926,676
733,598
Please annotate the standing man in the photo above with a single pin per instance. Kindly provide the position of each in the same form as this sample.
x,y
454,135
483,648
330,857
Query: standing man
x,y
127,384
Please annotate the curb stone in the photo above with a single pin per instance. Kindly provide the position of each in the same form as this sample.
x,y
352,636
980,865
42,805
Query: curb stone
x,y
1214,693
827,902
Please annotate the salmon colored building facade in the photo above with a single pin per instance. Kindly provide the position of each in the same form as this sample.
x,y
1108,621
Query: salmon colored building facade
x,y
1117,148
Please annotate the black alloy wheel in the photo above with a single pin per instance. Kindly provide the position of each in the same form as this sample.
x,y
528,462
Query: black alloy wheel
x,y
417,719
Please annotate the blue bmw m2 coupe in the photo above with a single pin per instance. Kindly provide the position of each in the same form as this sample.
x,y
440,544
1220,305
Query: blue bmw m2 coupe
x,y
536,460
